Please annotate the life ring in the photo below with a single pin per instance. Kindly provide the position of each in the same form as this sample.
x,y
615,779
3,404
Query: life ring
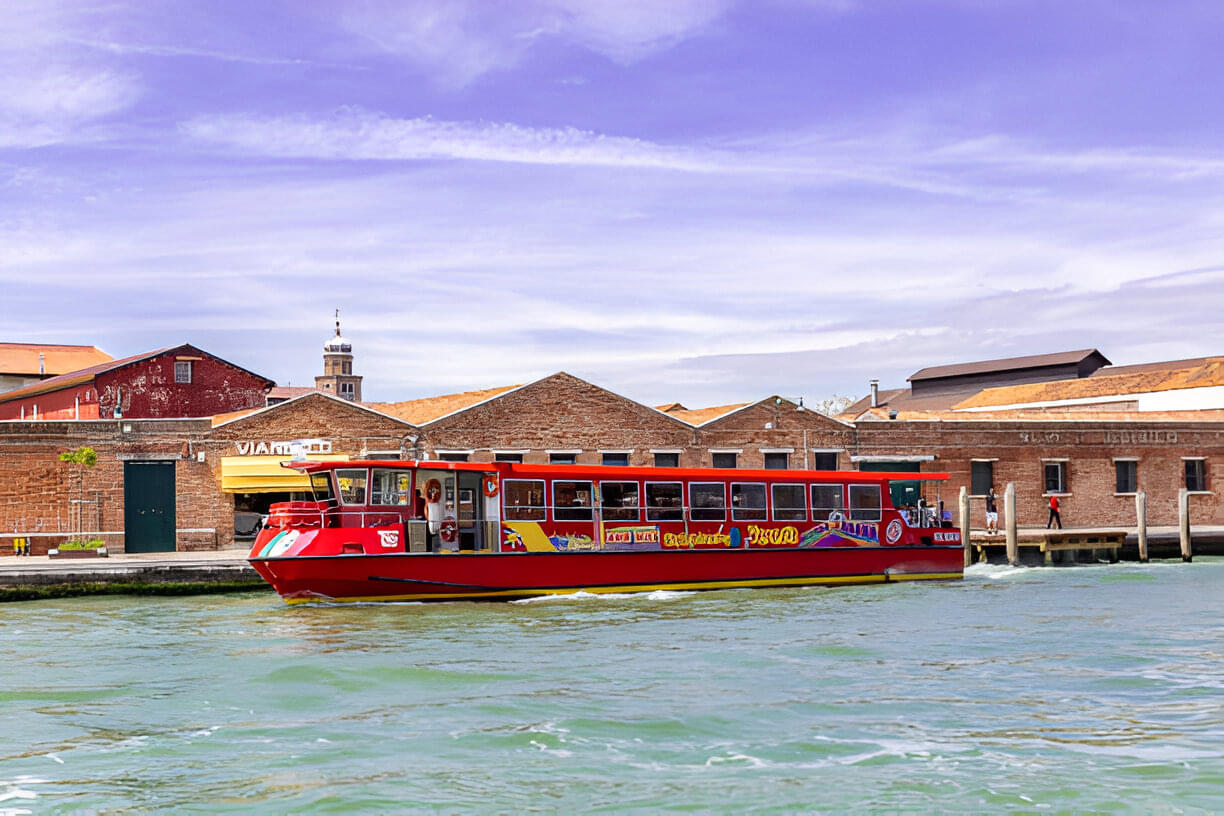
x,y
490,486
449,530
836,515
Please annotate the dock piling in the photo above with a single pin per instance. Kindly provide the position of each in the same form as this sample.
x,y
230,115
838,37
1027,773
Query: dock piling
x,y
965,525
1009,509
1141,525
1183,521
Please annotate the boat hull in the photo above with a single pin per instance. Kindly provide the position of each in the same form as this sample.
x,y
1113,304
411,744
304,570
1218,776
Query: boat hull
x,y
507,576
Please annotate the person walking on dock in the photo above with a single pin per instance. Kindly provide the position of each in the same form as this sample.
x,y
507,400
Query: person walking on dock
x,y
1054,515
992,513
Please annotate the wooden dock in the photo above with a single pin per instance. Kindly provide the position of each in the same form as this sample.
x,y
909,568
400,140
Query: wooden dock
x,y
1087,545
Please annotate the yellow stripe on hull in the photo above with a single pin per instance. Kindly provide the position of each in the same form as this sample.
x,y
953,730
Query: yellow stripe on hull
x,y
607,590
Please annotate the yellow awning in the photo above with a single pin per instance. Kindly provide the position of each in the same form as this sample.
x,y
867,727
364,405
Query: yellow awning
x,y
264,474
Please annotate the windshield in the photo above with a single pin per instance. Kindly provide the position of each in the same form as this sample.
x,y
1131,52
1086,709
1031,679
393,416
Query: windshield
x,y
320,485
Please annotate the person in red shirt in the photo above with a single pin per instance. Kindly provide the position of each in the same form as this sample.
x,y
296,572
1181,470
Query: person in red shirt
x,y
1054,516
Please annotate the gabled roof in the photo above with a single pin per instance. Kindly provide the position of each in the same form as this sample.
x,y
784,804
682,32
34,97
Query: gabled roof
x,y
1006,364
670,407
88,374
24,358
1141,380
428,409
289,404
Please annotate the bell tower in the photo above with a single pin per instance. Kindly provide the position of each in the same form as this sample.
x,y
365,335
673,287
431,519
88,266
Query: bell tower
x,y
338,375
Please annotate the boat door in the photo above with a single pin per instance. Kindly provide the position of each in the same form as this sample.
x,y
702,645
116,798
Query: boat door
x,y
475,534
439,490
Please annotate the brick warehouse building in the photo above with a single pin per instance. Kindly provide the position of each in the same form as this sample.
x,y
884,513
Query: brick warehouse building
x,y
232,461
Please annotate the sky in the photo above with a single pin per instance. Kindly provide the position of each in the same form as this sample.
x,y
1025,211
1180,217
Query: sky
x,y
702,201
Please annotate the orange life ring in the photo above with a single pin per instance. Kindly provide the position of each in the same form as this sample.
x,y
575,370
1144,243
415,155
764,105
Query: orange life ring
x,y
490,486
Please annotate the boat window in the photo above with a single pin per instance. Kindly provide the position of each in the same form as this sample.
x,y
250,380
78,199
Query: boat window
x,y
708,501
619,501
827,500
664,501
390,487
352,485
572,501
788,503
321,485
747,501
523,499
865,502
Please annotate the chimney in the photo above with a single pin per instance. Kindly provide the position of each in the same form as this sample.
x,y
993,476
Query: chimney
x,y
875,393
42,365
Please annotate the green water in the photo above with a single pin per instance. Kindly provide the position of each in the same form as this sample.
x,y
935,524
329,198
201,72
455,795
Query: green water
x,y
1066,690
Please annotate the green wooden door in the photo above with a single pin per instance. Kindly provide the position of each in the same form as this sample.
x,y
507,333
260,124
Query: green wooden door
x,y
903,493
148,507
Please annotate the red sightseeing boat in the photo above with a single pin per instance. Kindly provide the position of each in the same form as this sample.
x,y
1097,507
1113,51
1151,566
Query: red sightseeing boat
x,y
432,531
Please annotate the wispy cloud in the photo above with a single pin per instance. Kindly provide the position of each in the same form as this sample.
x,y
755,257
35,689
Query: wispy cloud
x,y
359,135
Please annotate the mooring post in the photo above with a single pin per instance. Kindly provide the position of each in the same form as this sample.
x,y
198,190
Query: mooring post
x,y
1183,520
1009,508
1141,524
965,526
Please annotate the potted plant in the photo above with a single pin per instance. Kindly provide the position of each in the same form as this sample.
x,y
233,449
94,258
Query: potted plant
x,y
79,548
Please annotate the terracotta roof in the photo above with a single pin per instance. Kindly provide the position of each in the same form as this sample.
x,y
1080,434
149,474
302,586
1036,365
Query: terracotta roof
x,y
285,392
1145,380
23,358
1061,415
219,419
671,407
421,411
700,416
1005,364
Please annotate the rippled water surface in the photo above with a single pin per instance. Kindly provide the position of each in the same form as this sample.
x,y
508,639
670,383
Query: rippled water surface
x,y
1016,690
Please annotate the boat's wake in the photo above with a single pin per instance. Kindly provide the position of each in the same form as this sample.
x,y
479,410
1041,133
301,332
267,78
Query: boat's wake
x,y
581,595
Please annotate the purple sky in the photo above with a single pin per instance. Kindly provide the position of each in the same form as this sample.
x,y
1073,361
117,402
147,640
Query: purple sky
x,y
705,201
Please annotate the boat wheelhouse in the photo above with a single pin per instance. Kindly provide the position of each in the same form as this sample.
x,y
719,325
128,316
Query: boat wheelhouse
x,y
425,530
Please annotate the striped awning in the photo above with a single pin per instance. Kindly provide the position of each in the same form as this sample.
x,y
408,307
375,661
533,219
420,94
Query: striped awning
x,y
264,474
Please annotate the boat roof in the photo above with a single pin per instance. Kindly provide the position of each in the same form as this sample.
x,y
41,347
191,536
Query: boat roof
x,y
513,469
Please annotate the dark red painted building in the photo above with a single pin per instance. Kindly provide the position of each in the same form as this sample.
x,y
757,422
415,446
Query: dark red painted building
x,y
182,381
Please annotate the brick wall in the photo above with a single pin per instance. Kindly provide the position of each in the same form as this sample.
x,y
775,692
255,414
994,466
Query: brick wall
x,y
1089,448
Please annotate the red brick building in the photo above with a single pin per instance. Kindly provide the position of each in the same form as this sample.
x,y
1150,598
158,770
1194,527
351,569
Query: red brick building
x,y
181,381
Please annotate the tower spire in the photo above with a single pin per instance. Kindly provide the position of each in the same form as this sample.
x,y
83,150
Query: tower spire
x,y
337,322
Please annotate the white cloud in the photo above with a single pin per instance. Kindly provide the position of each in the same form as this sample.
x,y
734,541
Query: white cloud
x,y
49,88
357,135
458,41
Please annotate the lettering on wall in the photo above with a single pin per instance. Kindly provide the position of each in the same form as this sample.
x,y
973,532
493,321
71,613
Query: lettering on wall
x,y
283,448
1141,437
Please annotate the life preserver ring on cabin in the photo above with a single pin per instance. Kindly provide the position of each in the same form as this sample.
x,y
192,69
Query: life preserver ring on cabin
x,y
836,515
449,530
490,486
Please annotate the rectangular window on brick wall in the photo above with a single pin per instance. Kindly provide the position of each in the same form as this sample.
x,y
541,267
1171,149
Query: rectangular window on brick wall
x,y
508,457
620,459
182,371
1196,474
724,460
824,460
562,458
776,461
1126,476
982,477
1055,477
453,457
667,460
